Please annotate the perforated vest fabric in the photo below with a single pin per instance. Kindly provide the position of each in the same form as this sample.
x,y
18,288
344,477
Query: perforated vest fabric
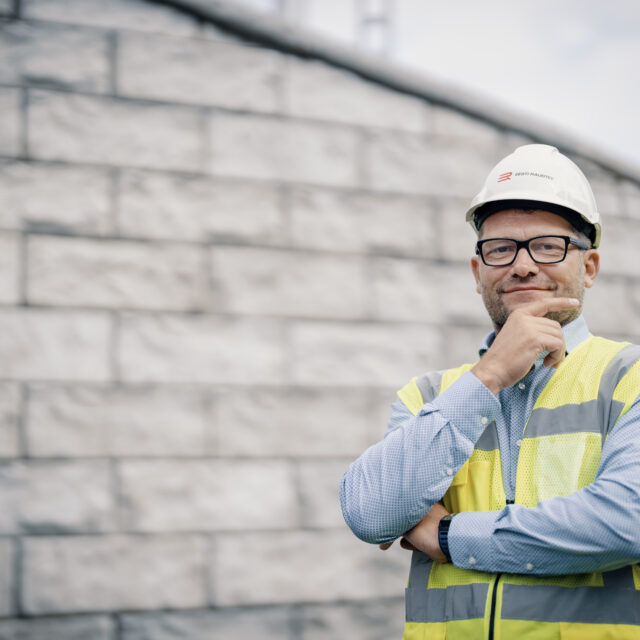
x,y
559,454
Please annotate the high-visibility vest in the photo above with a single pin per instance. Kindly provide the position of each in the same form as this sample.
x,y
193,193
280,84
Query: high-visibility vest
x,y
591,390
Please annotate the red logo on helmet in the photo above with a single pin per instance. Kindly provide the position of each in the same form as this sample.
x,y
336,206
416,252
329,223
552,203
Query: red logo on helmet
x,y
505,176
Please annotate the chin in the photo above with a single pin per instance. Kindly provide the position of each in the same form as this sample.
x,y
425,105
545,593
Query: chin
x,y
517,298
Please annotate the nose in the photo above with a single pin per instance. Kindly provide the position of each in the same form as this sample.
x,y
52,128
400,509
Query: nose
x,y
524,265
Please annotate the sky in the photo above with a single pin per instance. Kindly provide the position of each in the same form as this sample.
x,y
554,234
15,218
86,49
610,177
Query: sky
x,y
569,63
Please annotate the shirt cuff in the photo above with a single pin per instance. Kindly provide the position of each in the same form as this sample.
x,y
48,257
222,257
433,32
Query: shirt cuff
x,y
471,539
467,404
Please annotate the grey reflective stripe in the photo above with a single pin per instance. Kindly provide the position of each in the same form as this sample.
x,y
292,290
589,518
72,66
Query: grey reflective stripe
x,y
589,605
567,418
622,578
618,368
615,409
429,385
459,602
488,441
615,371
421,565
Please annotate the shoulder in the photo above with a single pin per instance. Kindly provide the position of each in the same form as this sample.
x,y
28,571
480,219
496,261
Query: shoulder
x,y
425,387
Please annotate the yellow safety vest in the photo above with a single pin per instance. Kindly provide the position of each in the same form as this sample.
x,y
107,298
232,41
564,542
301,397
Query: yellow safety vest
x,y
562,440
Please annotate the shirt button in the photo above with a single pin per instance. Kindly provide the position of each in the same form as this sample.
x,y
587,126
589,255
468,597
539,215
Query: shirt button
x,y
472,560
484,420
529,566
449,471
522,386
518,443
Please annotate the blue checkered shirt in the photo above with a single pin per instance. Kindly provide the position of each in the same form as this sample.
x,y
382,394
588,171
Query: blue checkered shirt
x,y
394,483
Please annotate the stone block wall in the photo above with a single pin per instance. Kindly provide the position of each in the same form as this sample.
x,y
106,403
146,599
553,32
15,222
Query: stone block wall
x,y
217,263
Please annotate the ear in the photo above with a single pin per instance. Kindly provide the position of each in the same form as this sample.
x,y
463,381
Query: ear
x,y
475,268
591,267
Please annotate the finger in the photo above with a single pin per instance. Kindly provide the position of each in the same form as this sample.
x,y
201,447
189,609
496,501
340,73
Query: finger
x,y
542,307
405,544
385,545
555,358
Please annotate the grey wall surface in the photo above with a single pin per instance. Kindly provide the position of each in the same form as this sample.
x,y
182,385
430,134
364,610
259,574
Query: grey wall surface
x,y
218,262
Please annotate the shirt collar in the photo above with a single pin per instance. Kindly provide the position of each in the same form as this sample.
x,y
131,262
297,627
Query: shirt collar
x,y
575,333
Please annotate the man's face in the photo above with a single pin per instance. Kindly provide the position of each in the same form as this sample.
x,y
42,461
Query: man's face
x,y
504,289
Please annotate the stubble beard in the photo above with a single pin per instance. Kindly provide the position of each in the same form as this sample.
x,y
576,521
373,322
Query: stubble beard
x,y
499,313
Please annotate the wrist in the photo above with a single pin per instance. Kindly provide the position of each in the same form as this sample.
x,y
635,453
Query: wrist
x,y
490,380
443,535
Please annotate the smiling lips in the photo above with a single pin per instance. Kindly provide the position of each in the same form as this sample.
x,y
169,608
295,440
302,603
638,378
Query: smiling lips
x,y
525,288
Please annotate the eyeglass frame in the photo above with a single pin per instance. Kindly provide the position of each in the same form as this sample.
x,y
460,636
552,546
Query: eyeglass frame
x,y
524,244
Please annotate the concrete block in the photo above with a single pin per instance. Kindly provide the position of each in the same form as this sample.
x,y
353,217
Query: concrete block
x,y
10,268
451,124
179,207
79,421
630,199
265,623
361,222
177,69
461,343
380,404
317,90
318,484
412,290
54,345
304,566
115,274
378,620
619,248
7,579
208,495
81,128
11,122
275,149
395,161
509,141
54,628
247,280
55,198
116,14
611,292
106,573
607,193
294,422
9,416
384,355
49,497
457,239
200,349
48,54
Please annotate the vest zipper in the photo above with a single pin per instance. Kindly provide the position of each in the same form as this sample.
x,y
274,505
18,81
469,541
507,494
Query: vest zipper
x,y
493,606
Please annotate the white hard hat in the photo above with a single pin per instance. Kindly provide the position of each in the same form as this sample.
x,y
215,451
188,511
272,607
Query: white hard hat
x,y
538,176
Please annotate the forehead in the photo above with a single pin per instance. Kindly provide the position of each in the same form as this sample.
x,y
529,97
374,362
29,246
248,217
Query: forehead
x,y
524,223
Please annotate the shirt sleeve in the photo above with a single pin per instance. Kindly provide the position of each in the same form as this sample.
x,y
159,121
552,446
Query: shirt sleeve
x,y
394,483
594,529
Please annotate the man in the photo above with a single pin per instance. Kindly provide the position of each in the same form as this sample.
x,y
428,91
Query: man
x,y
516,480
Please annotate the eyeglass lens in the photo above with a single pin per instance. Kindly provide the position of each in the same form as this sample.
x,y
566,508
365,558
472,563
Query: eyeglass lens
x,y
545,249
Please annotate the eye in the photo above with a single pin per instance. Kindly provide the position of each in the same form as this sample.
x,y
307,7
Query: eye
x,y
497,248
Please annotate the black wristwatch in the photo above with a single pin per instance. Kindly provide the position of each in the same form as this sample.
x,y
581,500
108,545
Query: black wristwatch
x,y
443,534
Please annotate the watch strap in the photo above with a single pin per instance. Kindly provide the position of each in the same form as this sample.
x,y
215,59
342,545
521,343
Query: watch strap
x,y
443,535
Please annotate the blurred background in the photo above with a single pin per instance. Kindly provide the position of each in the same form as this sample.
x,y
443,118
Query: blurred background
x,y
229,231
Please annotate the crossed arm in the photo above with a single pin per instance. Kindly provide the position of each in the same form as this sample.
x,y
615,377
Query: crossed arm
x,y
387,491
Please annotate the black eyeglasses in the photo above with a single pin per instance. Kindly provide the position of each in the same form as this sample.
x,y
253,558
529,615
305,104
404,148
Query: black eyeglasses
x,y
501,252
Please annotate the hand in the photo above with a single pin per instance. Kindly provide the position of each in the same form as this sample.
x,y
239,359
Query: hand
x,y
424,536
524,336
